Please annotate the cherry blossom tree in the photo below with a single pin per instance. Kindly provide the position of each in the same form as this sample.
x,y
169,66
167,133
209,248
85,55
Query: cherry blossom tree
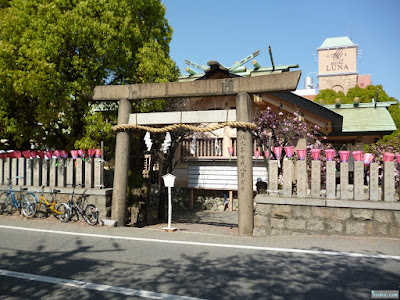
x,y
276,129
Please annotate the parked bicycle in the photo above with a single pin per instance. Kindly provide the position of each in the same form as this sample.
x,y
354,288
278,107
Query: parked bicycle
x,y
27,202
79,206
44,207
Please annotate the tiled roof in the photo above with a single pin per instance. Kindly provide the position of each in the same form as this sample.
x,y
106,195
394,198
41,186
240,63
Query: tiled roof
x,y
337,42
366,119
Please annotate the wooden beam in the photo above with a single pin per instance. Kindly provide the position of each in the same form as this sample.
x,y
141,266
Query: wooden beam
x,y
184,117
286,81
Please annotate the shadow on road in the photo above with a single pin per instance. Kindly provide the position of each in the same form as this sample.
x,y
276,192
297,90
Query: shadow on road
x,y
208,275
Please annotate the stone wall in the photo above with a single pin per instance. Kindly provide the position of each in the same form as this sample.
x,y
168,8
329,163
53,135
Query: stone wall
x,y
289,216
202,199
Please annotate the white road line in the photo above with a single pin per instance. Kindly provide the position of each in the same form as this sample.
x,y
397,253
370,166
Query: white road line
x,y
243,247
94,286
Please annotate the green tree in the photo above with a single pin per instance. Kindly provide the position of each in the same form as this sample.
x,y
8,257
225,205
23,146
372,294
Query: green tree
x,y
328,96
54,52
388,143
365,95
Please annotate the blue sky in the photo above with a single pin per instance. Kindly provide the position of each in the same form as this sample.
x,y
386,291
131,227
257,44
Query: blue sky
x,y
230,30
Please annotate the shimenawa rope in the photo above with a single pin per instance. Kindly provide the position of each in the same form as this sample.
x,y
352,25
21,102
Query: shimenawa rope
x,y
233,124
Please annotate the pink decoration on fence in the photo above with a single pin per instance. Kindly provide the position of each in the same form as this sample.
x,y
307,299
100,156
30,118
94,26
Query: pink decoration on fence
x,y
330,153
98,153
301,153
315,153
64,154
387,156
257,153
40,154
16,154
26,153
74,154
344,155
81,153
266,154
33,154
57,153
93,151
358,155
48,154
368,157
289,151
398,158
278,151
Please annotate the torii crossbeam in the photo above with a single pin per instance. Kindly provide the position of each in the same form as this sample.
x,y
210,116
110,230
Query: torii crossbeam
x,y
241,87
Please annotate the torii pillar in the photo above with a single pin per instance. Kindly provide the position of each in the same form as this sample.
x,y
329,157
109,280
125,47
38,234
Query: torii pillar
x,y
122,144
241,87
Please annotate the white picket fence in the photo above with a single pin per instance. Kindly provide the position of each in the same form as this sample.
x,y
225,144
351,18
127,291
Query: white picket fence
x,y
55,172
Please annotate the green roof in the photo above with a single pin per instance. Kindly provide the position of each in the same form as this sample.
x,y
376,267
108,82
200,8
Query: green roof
x,y
335,42
365,118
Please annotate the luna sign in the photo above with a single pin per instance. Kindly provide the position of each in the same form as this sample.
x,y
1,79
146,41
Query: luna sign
x,y
337,63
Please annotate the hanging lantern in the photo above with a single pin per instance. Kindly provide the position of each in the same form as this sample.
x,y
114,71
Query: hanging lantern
x,y
48,154
387,156
63,154
230,151
301,153
16,154
358,155
74,154
278,152
81,153
257,153
32,154
266,154
344,155
40,154
26,153
289,151
315,153
98,153
57,153
91,152
368,157
330,153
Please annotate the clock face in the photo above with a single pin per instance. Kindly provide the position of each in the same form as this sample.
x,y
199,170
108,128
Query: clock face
x,y
340,60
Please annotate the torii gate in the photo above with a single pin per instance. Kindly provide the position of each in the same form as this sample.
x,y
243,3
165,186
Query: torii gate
x,y
240,86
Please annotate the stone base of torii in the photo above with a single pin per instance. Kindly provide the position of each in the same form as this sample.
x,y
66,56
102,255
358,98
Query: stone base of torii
x,y
241,87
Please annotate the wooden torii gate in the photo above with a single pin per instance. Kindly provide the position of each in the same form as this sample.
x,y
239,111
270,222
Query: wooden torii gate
x,y
240,86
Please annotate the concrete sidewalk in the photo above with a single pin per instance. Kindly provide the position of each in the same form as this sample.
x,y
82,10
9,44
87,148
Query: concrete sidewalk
x,y
207,222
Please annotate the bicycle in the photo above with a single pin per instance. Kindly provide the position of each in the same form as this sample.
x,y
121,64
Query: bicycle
x,y
62,212
79,206
27,202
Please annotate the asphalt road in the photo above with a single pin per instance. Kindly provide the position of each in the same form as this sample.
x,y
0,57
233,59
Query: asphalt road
x,y
45,259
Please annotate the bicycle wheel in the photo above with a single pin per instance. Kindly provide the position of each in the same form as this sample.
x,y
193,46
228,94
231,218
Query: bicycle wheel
x,y
9,207
42,210
91,215
3,197
29,205
65,212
